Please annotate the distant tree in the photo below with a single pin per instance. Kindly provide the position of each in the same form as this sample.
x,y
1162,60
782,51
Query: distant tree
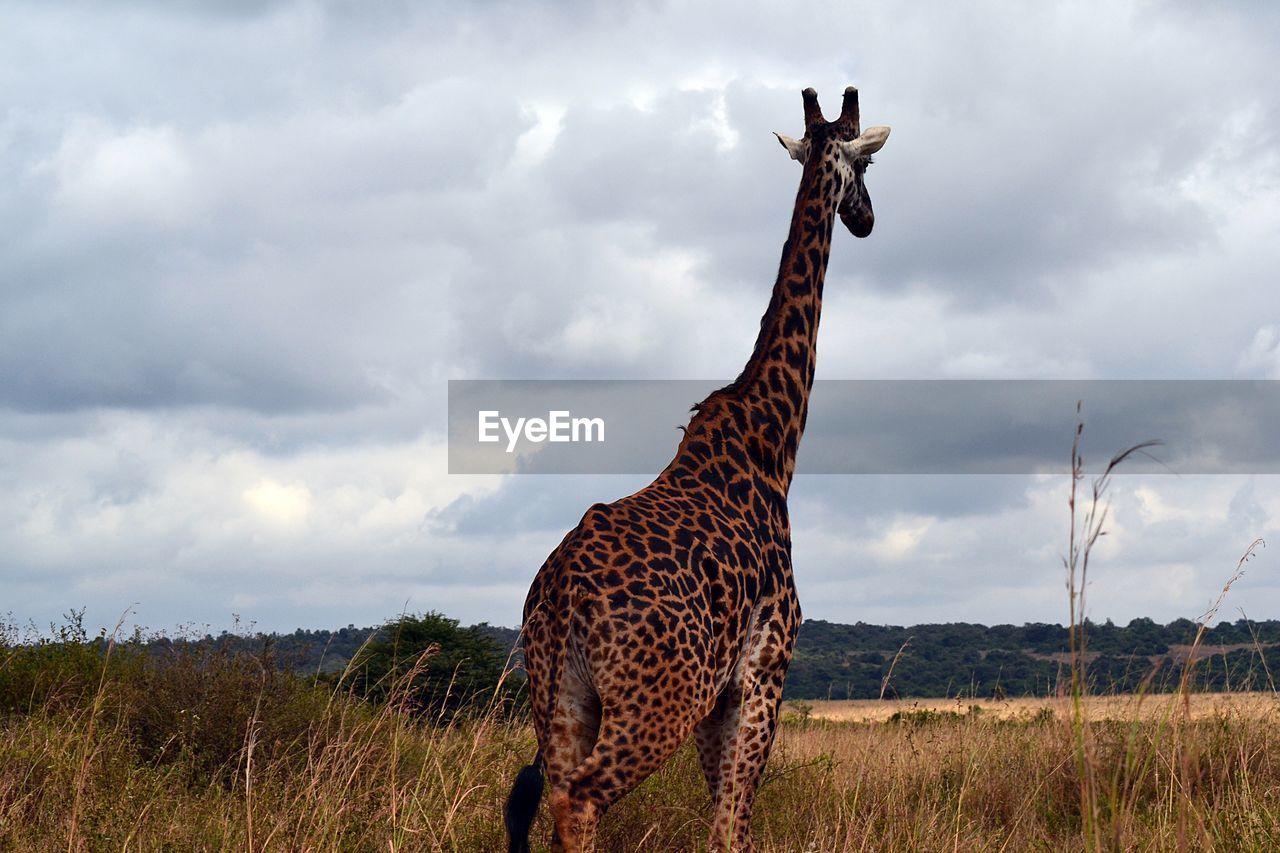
x,y
1044,637
1145,637
1181,631
430,663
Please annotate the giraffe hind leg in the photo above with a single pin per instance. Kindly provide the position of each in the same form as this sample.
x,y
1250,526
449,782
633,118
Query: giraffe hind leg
x,y
570,736
708,735
625,754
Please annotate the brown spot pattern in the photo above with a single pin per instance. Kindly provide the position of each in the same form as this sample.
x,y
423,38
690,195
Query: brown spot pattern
x,y
672,611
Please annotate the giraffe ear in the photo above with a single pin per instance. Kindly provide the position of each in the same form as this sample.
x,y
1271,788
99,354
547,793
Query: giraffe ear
x,y
797,148
868,142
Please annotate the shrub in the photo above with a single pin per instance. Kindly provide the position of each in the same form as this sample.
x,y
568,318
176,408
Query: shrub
x,y
429,662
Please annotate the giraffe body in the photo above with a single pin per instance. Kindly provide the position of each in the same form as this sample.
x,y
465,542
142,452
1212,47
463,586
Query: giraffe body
x,y
672,611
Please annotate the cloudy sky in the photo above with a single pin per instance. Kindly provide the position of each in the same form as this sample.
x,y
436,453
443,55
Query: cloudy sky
x,y
247,244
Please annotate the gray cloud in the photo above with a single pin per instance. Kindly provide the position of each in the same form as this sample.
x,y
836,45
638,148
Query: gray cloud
x,y
248,243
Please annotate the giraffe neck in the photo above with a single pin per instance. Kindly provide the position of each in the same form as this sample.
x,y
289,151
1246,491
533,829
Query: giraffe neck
x,y
776,381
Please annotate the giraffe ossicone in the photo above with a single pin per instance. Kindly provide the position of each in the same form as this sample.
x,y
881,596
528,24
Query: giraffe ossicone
x,y
673,611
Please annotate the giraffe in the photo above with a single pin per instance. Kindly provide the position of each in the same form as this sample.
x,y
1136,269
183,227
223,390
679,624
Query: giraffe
x,y
673,611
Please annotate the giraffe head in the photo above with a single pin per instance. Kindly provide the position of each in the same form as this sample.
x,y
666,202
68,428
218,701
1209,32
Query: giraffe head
x,y
841,151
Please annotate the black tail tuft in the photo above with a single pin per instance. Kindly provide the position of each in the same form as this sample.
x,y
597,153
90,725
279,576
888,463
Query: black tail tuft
x,y
522,806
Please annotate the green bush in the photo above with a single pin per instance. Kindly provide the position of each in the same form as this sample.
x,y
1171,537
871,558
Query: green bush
x,y
200,701
436,667
204,701
49,671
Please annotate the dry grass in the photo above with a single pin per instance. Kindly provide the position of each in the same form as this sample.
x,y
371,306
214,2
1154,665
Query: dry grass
x,y
1121,708
371,779
976,783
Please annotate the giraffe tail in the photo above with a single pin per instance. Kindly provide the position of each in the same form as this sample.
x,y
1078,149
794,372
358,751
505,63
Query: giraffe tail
x,y
522,806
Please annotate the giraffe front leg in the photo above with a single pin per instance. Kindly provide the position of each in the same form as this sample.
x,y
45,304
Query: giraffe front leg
x,y
749,727
749,711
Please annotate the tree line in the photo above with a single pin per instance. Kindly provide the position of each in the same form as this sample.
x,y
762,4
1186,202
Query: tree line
x,y
853,661
862,661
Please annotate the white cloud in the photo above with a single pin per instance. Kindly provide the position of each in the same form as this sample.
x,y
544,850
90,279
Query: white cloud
x,y
124,178
900,540
284,505
535,144
1262,356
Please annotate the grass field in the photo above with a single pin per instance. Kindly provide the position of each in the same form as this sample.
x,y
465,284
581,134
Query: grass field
x,y
222,755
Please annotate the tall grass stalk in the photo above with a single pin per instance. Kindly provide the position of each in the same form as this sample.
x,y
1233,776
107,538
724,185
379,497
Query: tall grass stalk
x,y
1109,801
89,746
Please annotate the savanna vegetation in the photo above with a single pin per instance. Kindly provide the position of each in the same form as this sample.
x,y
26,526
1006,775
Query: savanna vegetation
x,y
139,745
150,743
